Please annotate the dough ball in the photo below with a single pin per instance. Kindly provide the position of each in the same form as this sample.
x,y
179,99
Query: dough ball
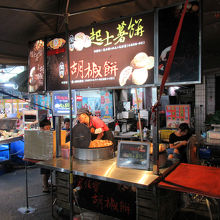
x,y
124,75
139,76
139,61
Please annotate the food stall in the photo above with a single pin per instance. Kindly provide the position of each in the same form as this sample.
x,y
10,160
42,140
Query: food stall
x,y
9,136
92,59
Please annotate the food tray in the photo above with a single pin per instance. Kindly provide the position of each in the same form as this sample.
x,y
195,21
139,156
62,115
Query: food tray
x,y
101,153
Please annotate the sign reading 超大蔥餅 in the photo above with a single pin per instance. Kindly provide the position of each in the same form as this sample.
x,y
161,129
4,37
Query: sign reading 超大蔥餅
x,y
115,54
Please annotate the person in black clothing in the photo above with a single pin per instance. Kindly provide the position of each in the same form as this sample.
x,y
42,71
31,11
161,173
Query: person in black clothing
x,y
178,143
45,125
66,124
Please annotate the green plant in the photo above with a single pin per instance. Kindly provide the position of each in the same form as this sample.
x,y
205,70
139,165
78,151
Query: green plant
x,y
213,118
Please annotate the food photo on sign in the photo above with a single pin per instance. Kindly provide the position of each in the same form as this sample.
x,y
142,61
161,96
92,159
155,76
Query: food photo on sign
x,y
36,66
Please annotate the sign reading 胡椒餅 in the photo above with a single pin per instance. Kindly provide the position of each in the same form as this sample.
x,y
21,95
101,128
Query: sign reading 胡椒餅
x,y
115,54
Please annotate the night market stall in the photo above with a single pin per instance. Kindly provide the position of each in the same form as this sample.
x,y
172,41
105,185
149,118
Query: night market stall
x,y
123,53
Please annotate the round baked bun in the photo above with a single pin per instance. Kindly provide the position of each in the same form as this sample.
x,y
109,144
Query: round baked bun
x,y
139,61
150,62
139,76
124,75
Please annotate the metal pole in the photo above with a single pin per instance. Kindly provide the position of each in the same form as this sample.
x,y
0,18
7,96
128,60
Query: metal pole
x,y
100,7
155,143
26,185
30,11
139,118
27,209
70,103
155,114
51,177
58,136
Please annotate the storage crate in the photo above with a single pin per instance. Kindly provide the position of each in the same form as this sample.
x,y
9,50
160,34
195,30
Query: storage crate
x,y
4,152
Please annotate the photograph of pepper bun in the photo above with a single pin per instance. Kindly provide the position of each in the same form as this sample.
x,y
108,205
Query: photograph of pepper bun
x,y
138,69
82,41
124,75
142,60
140,76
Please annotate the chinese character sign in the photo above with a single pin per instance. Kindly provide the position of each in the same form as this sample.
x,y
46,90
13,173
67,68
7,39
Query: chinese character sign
x,y
177,114
115,54
36,67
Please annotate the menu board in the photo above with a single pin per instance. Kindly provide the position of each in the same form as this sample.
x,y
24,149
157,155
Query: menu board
x,y
133,154
114,54
36,80
177,114
61,105
186,64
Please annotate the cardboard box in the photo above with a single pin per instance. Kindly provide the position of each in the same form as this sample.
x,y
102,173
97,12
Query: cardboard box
x,y
39,145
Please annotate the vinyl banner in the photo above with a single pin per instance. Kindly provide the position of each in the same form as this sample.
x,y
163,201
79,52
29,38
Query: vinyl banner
x,y
36,66
115,54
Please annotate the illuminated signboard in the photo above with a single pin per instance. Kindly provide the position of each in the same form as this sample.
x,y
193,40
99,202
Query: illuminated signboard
x,y
36,67
177,114
61,103
186,64
116,54
56,63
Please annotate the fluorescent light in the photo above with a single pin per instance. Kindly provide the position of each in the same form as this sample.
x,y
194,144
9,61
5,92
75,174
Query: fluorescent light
x,y
11,85
8,85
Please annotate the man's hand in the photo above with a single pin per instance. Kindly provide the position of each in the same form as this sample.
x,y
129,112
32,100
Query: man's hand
x,y
184,142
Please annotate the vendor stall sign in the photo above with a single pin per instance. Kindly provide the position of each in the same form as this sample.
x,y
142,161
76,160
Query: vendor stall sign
x,y
115,54
133,154
60,100
56,63
177,114
107,198
187,60
36,80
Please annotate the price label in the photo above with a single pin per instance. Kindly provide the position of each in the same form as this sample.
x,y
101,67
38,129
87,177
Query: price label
x,y
133,154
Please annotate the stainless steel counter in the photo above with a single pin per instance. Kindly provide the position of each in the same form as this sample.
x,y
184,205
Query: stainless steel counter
x,y
106,170
10,140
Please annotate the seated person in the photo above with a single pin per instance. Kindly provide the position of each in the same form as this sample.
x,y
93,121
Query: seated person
x,y
66,124
45,125
67,128
178,143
